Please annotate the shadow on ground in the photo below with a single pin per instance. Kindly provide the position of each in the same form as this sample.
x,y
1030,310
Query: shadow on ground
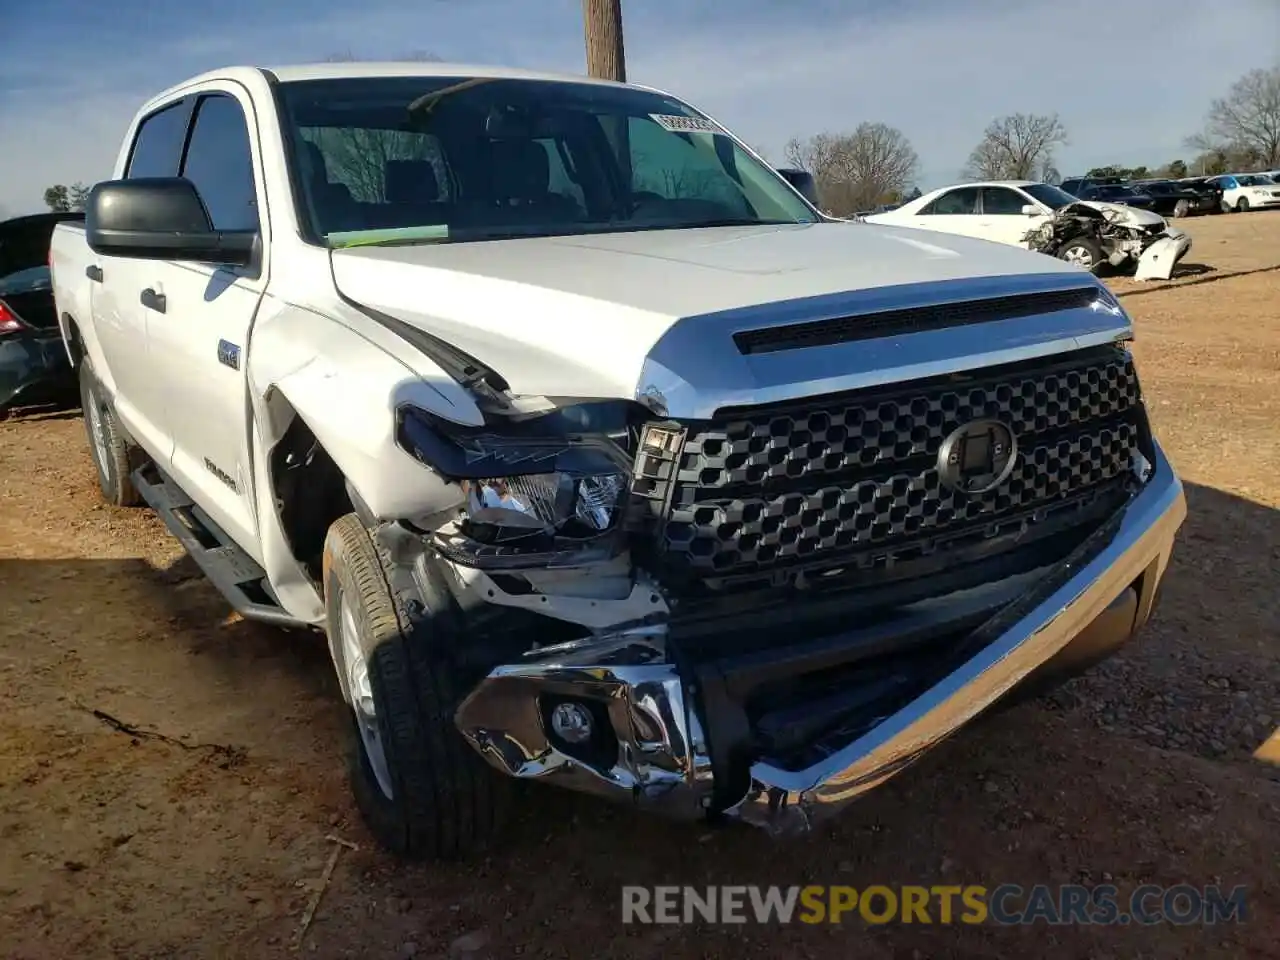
x,y
1117,778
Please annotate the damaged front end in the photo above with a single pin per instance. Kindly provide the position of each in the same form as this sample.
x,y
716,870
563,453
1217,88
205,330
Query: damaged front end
x,y
578,685
762,614
1096,235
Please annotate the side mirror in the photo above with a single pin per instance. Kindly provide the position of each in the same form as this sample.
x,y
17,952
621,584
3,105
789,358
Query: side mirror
x,y
1030,210
803,181
159,218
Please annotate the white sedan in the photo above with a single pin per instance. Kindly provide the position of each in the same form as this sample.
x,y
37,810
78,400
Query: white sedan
x,y
1244,191
1007,211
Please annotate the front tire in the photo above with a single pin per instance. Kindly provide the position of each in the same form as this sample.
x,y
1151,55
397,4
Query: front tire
x,y
113,456
1083,252
1242,206
422,791
1182,208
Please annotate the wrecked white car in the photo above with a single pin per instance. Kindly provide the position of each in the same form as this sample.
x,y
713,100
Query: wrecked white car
x,y
1047,219
601,458
1094,235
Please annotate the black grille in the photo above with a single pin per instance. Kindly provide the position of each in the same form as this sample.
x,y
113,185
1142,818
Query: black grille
x,y
855,476
819,333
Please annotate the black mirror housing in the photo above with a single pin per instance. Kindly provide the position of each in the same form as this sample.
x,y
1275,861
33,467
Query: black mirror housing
x,y
160,218
803,181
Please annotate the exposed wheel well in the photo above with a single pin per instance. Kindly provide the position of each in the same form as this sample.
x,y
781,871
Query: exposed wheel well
x,y
310,493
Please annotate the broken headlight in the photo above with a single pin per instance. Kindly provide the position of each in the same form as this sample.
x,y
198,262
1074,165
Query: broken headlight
x,y
557,504
526,483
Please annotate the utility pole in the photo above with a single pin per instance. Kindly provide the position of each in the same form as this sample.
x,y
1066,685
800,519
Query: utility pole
x,y
602,25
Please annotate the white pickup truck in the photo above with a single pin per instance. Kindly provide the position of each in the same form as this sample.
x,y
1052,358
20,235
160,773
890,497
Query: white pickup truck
x,y
599,455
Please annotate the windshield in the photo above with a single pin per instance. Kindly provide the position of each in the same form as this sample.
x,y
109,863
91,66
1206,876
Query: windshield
x,y
440,159
1052,197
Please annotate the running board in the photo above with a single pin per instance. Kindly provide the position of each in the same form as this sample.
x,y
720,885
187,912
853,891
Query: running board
x,y
230,569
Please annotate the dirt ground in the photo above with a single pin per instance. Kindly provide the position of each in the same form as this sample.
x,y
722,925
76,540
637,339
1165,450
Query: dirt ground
x,y
202,832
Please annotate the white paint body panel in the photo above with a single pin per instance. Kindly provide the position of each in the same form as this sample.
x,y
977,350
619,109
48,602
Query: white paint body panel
x,y
576,316
1000,228
572,316
1258,195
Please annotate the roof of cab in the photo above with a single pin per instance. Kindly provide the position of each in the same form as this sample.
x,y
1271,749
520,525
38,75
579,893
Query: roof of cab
x,y
373,68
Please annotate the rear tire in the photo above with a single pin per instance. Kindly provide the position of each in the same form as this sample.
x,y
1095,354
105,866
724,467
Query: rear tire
x,y
421,789
114,457
1083,252
1182,208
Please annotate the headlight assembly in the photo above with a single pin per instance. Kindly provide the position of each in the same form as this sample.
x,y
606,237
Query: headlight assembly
x,y
527,484
512,508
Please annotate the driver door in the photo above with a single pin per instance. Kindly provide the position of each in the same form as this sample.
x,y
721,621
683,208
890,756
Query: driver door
x,y
956,211
1002,218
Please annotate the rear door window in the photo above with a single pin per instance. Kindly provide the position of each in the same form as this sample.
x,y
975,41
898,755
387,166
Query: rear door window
x,y
157,149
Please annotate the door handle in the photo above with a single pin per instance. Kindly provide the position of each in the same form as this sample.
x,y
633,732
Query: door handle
x,y
94,273
152,300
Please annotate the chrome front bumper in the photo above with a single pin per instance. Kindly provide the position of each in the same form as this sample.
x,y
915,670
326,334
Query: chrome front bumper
x,y
662,758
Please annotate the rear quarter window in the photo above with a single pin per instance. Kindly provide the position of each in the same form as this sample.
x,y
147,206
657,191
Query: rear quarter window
x,y
157,148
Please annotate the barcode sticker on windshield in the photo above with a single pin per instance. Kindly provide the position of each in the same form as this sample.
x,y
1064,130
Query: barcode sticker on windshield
x,y
684,124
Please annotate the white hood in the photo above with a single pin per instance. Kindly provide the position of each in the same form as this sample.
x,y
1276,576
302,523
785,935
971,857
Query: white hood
x,y
576,316
1129,216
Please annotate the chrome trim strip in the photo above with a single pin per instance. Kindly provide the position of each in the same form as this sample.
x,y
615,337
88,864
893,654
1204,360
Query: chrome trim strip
x,y
784,801
695,368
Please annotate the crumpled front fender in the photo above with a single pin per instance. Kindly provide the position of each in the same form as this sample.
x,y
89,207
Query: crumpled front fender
x,y
347,391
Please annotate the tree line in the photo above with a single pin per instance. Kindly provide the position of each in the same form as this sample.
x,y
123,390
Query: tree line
x,y
876,163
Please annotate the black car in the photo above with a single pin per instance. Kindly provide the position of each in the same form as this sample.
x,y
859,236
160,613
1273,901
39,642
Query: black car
x,y
1074,185
1173,199
34,368
1205,185
1116,193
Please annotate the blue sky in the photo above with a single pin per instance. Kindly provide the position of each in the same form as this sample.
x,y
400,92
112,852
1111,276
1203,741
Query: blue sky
x,y
1129,79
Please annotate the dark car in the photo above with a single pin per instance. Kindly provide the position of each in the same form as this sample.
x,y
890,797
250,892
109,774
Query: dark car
x,y
1207,185
1175,199
1073,185
1116,193
34,368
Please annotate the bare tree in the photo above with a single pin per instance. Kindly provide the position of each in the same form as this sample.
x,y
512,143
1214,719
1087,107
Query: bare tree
x,y
1244,126
855,171
1017,147
357,157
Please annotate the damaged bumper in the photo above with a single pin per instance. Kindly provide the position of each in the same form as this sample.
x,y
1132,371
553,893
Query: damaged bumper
x,y
678,736
1158,260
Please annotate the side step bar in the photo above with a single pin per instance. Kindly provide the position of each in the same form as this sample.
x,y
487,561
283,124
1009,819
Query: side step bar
x,y
236,575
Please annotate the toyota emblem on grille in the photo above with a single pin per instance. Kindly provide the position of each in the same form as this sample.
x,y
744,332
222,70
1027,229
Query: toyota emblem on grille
x,y
977,456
